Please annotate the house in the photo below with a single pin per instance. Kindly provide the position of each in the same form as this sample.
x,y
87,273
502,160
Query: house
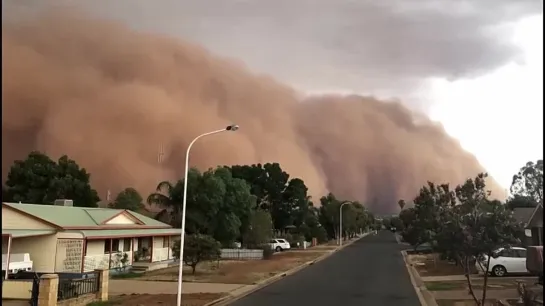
x,y
532,219
62,238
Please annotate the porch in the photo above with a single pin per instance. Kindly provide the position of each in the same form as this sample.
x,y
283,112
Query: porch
x,y
137,253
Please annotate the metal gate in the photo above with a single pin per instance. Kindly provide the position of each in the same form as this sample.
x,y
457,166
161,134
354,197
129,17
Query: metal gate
x,y
35,291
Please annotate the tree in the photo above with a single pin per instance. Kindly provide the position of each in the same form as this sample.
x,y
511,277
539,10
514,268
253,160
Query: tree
x,y
217,204
401,204
168,196
475,227
397,224
129,199
329,215
407,216
197,248
260,230
518,201
424,218
287,200
40,180
528,182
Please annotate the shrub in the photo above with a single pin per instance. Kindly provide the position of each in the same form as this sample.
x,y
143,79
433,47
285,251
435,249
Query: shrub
x,y
320,234
198,248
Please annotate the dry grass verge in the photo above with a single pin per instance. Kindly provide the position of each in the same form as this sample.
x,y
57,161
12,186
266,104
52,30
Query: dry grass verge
x,y
193,299
237,272
431,265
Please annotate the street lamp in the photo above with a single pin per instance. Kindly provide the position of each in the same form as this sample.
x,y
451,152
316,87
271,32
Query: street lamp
x,y
230,128
341,222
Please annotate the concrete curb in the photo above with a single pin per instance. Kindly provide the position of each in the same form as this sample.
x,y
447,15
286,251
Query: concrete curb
x,y
424,295
226,300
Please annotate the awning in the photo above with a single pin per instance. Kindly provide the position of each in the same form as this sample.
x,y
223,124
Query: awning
x,y
128,233
20,233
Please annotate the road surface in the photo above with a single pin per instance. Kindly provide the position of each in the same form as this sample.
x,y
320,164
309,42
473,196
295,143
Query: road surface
x,y
370,271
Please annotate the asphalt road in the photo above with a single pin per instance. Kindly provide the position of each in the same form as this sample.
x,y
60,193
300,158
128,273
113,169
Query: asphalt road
x,y
369,272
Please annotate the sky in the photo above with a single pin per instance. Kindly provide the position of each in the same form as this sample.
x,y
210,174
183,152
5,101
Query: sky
x,y
475,66
512,95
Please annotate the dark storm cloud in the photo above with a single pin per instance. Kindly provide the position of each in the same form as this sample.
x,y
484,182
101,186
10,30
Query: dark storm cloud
x,y
343,44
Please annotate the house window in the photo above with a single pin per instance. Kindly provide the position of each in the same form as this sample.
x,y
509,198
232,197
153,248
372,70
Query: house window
x,y
114,243
165,241
127,244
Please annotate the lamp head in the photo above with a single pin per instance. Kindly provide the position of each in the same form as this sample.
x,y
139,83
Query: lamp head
x,y
232,127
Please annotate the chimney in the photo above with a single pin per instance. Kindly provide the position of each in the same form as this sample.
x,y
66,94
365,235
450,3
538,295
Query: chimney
x,y
64,202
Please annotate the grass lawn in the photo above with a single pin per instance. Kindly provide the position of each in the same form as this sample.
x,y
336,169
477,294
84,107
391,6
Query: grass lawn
x,y
194,299
231,271
431,265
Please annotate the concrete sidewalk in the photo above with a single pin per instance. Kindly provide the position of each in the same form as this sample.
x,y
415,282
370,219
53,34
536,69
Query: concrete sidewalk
x,y
123,286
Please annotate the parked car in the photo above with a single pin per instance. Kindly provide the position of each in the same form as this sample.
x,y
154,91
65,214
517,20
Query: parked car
x,y
504,261
279,245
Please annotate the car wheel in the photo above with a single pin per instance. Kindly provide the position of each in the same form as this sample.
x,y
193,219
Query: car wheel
x,y
499,271
278,249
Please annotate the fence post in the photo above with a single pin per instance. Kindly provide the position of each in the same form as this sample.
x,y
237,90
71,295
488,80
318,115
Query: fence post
x,y
103,281
49,289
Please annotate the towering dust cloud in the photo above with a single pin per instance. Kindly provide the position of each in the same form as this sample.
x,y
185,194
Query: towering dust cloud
x,y
125,105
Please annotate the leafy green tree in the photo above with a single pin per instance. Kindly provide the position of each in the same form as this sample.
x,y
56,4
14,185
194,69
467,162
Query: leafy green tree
x,y
329,215
128,199
423,221
4,194
40,180
397,223
287,200
475,227
528,182
355,216
260,230
518,201
407,217
217,205
197,248
234,207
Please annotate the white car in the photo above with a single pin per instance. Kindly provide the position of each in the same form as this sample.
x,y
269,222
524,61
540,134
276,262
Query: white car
x,y
512,260
279,245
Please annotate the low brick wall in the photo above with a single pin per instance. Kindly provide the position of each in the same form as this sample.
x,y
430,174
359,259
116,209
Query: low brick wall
x,y
17,289
49,286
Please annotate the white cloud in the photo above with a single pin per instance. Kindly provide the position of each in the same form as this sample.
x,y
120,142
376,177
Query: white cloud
x,y
499,116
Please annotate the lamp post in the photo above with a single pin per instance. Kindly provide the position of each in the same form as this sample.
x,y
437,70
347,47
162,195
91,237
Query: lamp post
x,y
341,222
230,128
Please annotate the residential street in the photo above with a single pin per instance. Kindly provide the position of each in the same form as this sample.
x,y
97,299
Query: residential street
x,y
371,271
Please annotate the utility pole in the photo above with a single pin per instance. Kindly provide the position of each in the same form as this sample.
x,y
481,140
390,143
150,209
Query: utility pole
x,y
161,154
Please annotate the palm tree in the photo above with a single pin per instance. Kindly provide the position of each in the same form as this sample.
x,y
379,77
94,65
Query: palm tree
x,y
401,204
168,196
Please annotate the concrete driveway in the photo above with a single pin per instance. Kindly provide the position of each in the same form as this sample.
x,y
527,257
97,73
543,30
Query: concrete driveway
x,y
370,271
